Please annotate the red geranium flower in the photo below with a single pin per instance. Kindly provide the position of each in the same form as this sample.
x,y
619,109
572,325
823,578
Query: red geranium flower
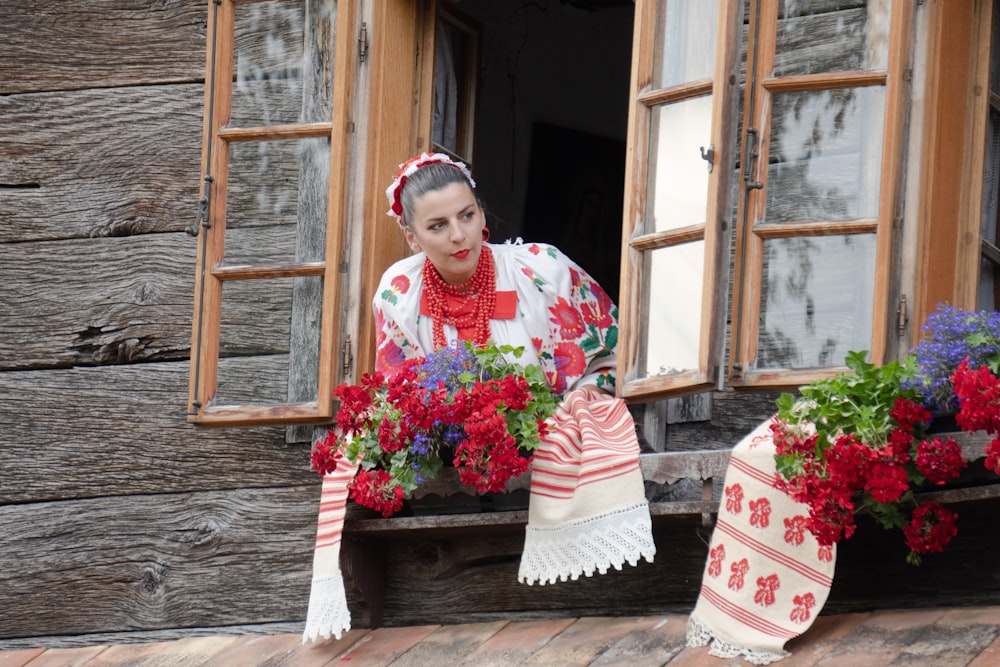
x,y
931,528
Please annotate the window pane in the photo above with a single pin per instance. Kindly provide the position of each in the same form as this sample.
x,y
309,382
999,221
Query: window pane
x,y
269,341
816,300
283,62
276,201
991,179
825,155
831,36
685,42
677,180
989,287
673,283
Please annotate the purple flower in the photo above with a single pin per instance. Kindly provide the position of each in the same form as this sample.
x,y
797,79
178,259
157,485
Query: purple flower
x,y
951,335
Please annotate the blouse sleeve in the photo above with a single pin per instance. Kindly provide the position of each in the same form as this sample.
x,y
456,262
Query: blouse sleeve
x,y
572,321
396,307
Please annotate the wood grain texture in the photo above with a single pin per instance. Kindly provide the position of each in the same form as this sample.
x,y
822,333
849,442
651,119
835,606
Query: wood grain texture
x,y
121,431
109,162
96,301
157,561
100,43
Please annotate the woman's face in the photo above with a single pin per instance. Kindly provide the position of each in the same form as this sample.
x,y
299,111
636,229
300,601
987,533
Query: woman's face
x,y
448,225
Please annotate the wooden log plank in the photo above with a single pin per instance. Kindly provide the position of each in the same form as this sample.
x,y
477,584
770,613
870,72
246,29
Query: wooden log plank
x,y
144,637
100,43
104,301
157,561
125,300
108,162
121,430
456,578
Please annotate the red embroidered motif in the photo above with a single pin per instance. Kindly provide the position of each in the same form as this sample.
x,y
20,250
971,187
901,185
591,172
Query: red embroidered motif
x,y
825,554
716,556
795,530
739,570
760,512
734,498
803,603
401,283
765,590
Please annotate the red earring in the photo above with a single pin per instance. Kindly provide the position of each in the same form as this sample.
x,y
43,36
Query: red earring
x,y
486,234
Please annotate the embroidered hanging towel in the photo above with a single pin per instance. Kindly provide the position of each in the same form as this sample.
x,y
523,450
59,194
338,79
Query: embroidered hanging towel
x,y
328,613
766,578
587,509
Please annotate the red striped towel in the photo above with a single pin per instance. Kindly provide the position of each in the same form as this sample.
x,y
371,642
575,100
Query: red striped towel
x,y
587,510
766,578
328,614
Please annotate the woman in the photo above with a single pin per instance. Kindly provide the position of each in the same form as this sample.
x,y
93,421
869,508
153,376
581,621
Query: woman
x,y
459,287
587,509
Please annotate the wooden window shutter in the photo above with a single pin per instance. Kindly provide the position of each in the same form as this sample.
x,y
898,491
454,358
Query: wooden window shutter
x,y
278,89
681,115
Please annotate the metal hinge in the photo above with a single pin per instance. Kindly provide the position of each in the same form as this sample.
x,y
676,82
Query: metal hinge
x,y
346,356
363,42
901,316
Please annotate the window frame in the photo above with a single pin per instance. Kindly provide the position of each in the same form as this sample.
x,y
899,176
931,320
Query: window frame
x,y
948,242
745,312
210,276
634,303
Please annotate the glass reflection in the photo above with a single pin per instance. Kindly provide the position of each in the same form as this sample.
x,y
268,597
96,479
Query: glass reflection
x,y
677,180
256,355
685,42
276,201
283,73
816,36
816,302
673,281
825,155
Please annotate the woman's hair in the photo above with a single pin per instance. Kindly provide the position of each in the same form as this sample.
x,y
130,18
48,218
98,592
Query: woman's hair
x,y
429,178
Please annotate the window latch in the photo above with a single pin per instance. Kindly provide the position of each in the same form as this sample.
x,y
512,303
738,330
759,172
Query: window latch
x,y
346,356
708,156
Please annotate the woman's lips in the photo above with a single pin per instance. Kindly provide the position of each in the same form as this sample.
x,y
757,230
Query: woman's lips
x,y
461,254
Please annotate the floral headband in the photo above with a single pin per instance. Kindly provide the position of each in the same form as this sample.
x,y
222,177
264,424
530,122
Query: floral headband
x,y
406,169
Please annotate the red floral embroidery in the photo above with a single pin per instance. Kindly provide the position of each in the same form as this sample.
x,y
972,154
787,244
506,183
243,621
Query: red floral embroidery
x,y
734,498
760,512
765,590
803,603
597,314
568,359
389,358
571,325
795,530
739,570
758,439
716,556
401,283
825,554
534,249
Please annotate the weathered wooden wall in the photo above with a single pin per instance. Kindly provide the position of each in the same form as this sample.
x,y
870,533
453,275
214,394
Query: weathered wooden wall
x,y
119,519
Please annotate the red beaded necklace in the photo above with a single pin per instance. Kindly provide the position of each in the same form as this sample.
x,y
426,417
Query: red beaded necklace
x,y
480,289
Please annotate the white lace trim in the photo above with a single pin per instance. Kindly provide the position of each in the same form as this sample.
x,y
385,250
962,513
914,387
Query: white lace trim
x,y
328,613
699,634
581,547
